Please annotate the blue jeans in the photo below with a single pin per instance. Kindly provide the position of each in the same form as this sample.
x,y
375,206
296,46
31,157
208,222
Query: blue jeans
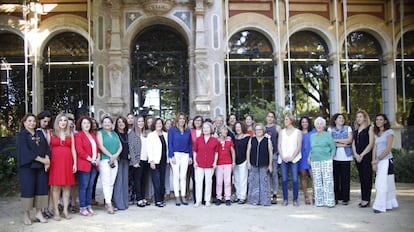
x,y
85,181
285,176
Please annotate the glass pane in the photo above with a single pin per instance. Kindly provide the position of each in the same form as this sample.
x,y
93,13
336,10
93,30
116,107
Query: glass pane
x,y
406,117
160,65
12,83
66,86
364,76
251,72
309,75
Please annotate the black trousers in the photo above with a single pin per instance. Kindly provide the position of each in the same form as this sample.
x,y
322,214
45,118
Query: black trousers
x,y
33,182
365,176
342,179
137,178
158,181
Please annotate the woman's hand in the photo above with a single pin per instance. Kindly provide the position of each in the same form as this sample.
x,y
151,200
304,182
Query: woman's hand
x,y
249,166
173,161
136,165
152,165
190,161
74,169
270,168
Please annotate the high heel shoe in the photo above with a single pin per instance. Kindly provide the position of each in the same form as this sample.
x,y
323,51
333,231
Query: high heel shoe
x,y
361,205
66,216
110,209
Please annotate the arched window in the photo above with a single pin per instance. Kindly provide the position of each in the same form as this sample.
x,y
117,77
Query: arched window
x,y
405,87
251,72
160,72
364,74
66,74
309,75
12,83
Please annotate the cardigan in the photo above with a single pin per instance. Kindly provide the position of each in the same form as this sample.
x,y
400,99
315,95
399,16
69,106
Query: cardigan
x,y
154,146
134,143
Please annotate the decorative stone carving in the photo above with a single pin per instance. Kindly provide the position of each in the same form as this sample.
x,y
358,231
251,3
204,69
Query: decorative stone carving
x,y
203,82
115,80
158,7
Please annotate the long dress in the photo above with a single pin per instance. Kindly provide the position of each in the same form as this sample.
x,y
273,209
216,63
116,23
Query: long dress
x,y
61,162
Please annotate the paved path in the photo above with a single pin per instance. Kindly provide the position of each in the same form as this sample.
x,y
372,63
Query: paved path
x,y
228,218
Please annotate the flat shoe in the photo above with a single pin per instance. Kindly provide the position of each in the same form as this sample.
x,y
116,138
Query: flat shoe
x,y
84,212
41,220
57,218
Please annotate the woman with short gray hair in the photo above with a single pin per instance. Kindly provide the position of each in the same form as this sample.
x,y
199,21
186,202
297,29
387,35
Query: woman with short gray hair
x,y
322,150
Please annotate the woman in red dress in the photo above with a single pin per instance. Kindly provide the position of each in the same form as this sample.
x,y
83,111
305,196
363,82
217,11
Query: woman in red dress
x,y
63,163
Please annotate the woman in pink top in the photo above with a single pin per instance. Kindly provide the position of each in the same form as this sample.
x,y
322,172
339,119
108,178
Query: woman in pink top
x,y
225,164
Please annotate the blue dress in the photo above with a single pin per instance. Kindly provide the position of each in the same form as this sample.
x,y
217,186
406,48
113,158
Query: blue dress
x,y
306,145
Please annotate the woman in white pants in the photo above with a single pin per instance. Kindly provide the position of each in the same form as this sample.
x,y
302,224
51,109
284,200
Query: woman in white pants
x,y
180,154
240,170
110,147
205,154
382,163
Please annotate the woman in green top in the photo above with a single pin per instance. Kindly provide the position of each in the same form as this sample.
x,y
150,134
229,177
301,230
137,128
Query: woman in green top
x,y
110,147
321,153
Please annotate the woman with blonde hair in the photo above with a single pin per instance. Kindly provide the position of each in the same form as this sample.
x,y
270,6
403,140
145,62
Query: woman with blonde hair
x,y
289,146
63,163
362,148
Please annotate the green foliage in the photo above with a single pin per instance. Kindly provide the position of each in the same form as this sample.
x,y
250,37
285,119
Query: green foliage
x,y
259,108
403,165
8,166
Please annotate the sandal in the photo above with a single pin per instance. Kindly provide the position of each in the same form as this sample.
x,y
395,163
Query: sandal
x,y
84,212
90,211
307,201
67,216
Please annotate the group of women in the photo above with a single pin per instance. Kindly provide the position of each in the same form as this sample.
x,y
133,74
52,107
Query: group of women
x,y
134,149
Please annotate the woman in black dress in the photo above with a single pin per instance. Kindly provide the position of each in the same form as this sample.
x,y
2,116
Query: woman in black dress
x,y
362,149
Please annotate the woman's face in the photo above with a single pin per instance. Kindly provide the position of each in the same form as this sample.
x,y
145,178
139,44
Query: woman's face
x,y
63,122
304,123
130,119
360,118
94,124
30,123
107,124
238,129
140,123
206,129
380,121
319,126
259,131
168,124
287,121
120,123
85,125
340,120
181,121
149,122
249,121
158,125
198,122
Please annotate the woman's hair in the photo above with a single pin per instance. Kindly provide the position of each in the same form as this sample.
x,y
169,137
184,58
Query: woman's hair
x,y
310,127
56,128
366,117
242,125
185,118
107,116
25,117
197,117
124,120
222,129
155,122
209,124
44,114
320,120
79,123
387,124
291,118
334,117
139,131
260,125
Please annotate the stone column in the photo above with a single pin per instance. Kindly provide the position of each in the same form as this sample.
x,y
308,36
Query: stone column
x,y
279,80
115,102
335,97
37,84
202,101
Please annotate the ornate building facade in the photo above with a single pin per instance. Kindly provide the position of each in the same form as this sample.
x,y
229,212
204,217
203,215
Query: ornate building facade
x,y
207,57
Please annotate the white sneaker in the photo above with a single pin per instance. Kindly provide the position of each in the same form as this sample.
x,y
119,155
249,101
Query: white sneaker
x,y
197,204
208,204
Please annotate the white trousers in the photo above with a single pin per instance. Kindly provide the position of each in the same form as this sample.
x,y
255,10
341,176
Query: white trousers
x,y
179,170
200,174
385,197
108,176
240,174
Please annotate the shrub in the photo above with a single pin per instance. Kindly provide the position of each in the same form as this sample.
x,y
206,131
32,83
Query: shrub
x,y
403,165
8,165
